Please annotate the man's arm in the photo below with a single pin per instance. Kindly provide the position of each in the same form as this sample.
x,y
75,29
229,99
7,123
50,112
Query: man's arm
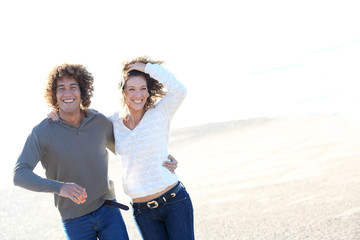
x,y
171,164
26,163
25,177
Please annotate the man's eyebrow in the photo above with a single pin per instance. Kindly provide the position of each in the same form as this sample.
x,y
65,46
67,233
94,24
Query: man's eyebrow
x,y
72,84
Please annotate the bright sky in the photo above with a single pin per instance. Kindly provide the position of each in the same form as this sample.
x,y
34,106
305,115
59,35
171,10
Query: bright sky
x,y
238,59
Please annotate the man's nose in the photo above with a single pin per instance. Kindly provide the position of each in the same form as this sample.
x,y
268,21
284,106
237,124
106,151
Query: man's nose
x,y
68,91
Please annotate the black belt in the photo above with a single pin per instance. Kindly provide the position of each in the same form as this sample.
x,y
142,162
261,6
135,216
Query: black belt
x,y
160,201
116,204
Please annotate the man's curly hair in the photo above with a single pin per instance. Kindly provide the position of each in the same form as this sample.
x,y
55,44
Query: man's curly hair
x,y
156,90
81,76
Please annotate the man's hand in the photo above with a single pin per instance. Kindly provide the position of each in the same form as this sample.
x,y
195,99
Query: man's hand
x,y
171,165
73,191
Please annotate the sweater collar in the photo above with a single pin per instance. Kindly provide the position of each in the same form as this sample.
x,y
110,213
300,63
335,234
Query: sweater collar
x,y
90,114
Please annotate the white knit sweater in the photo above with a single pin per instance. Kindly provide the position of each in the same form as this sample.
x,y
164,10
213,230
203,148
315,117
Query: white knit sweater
x,y
145,148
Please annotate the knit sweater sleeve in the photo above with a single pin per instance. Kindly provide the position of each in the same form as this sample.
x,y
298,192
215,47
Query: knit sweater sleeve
x,y
176,91
27,161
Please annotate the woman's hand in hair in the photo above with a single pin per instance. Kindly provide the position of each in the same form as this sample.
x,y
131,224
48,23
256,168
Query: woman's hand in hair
x,y
136,66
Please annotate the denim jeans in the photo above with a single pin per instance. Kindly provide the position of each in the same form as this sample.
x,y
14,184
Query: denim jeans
x,y
105,223
174,220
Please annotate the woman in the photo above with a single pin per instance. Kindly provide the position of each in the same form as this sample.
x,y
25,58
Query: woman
x,y
162,207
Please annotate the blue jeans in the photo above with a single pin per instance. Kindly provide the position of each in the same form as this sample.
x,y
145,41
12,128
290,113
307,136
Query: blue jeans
x,y
105,223
174,220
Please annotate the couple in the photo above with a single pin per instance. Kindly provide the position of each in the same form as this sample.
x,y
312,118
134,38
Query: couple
x,y
72,150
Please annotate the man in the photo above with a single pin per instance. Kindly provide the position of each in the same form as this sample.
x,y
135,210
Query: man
x,y
73,153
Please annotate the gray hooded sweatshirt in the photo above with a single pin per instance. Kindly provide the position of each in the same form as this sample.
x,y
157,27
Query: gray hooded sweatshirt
x,y
69,154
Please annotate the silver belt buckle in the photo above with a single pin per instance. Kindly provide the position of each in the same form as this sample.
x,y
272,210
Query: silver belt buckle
x,y
152,202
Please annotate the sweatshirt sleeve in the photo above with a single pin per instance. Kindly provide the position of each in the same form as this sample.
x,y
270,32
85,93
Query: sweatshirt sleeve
x,y
111,139
176,91
23,172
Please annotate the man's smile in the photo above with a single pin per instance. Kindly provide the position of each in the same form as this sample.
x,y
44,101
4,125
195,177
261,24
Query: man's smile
x,y
68,100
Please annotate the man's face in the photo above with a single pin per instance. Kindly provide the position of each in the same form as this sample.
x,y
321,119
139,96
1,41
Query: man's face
x,y
68,95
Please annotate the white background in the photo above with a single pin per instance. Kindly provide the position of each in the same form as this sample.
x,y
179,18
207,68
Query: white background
x,y
238,59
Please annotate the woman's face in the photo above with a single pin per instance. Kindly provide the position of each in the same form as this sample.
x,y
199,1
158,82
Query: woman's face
x,y
136,93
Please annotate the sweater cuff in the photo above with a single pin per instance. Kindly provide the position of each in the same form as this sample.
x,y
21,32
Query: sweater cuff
x,y
57,187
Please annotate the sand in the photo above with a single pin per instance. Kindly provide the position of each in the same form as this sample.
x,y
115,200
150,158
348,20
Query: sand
x,y
251,179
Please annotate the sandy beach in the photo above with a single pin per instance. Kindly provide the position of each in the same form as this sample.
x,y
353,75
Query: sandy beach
x,y
249,179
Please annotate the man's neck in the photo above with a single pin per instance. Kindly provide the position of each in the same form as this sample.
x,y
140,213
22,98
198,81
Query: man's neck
x,y
73,118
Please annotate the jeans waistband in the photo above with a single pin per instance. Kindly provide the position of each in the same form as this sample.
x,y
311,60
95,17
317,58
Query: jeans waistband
x,y
160,201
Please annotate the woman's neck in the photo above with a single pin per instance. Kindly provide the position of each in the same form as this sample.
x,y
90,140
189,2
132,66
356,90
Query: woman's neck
x,y
133,118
